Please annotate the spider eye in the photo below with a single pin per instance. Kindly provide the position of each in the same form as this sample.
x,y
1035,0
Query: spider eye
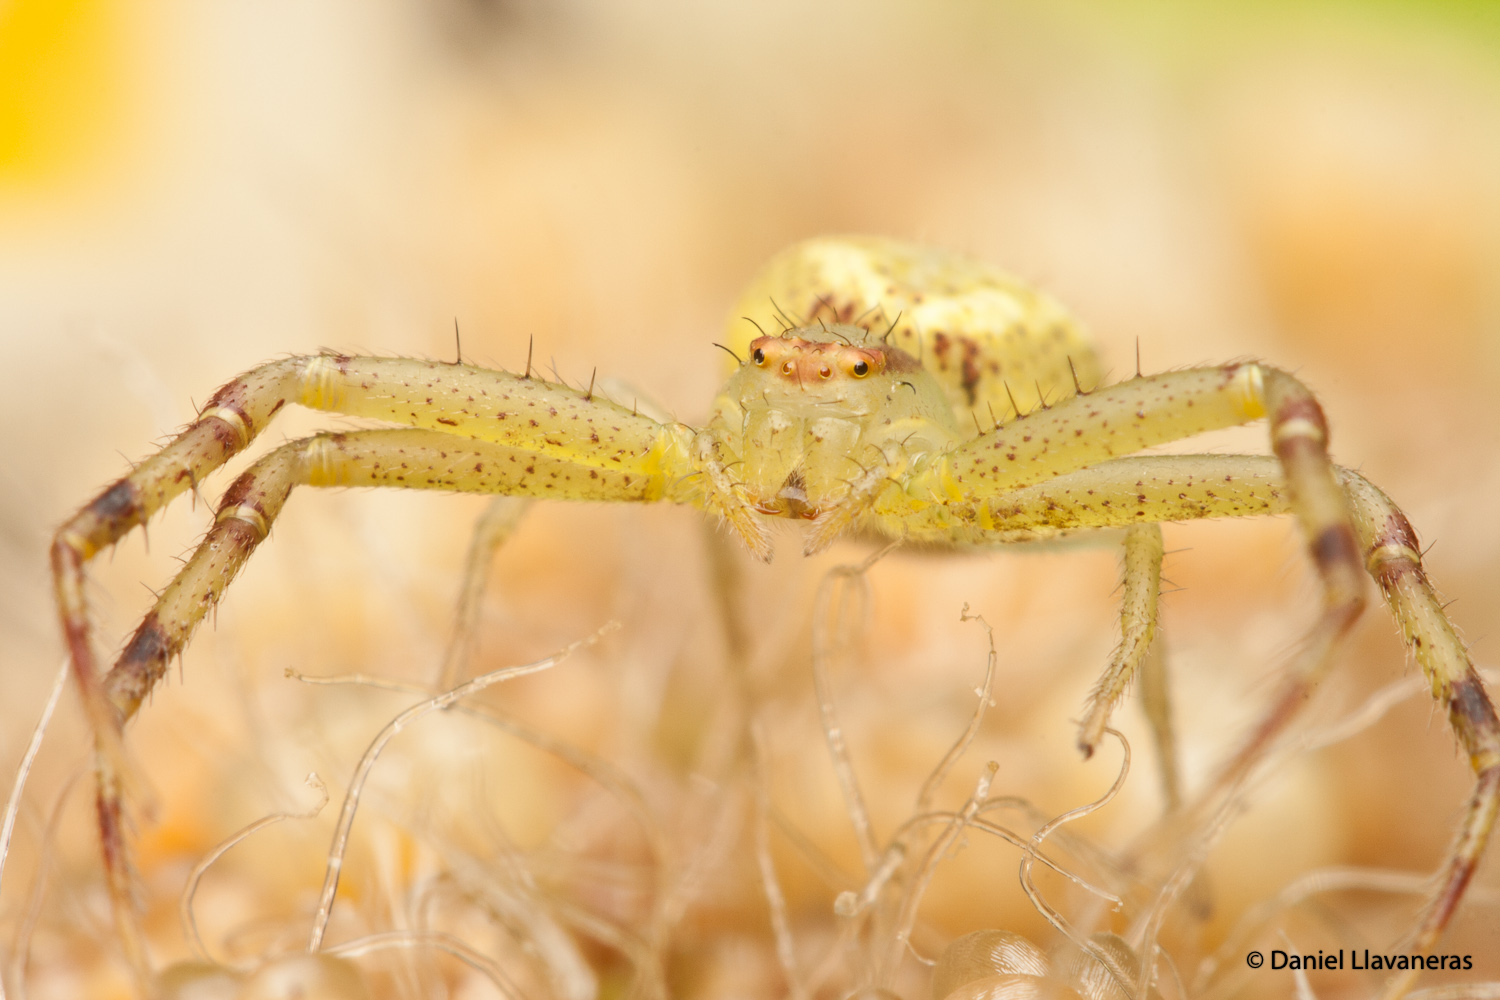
x,y
861,369
759,357
825,371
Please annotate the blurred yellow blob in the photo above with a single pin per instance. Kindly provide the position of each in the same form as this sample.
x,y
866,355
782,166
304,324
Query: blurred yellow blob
x,y
62,71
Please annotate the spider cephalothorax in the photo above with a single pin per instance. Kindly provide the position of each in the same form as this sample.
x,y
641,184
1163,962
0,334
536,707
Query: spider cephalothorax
x,y
802,419
912,394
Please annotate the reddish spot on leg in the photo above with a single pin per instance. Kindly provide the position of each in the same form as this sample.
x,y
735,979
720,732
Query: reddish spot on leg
x,y
1394,553
1335,546
1471,712
119,504
240,492
139,667
107,806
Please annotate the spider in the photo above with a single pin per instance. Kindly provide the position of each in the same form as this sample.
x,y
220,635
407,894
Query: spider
x,y
904,393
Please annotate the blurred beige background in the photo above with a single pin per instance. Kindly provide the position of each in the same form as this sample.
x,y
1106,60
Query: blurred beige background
x,y
192,189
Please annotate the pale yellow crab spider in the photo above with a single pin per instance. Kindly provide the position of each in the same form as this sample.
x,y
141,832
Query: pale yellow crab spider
x,y
900,392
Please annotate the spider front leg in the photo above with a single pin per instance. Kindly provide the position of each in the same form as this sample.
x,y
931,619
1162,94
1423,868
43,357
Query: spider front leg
x,y
1395,561
1126,491
968,494
232,418
1056,469
617,449
411,458
484,431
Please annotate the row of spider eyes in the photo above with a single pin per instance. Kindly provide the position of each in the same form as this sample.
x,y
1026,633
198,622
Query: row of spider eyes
x,y
859,369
